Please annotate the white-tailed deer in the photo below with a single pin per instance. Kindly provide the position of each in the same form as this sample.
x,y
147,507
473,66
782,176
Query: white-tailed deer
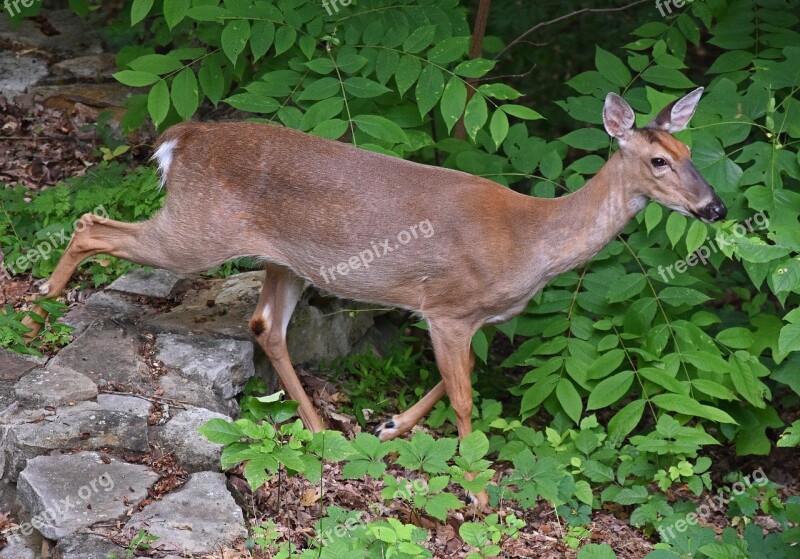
x,y
302,204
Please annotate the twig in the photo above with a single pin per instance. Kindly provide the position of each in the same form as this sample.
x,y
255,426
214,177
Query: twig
x,y
153,399
566,16
475,50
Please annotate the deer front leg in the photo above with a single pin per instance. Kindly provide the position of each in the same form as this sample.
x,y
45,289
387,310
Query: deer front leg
x,y
451,344
93,235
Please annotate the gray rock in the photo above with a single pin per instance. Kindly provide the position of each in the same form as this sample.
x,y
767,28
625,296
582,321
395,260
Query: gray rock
x,y
87,546
74,36
89,67
210,373
105,351
151,283
19,73
65,494
116,304
199,518
124,404
54,387
13,365
18,551
193,451
87,426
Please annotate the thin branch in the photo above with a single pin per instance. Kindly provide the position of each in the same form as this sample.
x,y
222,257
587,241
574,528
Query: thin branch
x,y
566,16
475,51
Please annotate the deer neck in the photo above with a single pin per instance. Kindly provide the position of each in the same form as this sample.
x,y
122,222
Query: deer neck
x,y
579,225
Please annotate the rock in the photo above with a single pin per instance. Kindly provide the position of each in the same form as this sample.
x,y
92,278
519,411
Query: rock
x,y
53,387
18,551
116,304
88,546
19,73
210,373
199,518
13,367
192,450
69,34
150,283
105,351
124,404
89,67
65,494
87,425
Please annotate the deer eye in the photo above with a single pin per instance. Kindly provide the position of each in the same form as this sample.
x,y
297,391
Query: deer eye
x,y
658,162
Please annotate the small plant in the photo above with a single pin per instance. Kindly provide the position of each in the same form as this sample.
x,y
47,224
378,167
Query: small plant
x,y
140,542
54,334
488,536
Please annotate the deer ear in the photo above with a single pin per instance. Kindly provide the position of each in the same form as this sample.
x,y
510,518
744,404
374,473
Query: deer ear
x,y
618,117
676,116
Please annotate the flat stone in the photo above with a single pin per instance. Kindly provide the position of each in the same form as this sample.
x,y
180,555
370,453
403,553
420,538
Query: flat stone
x,y
13,365
86,426
199,518
53,387
114,303
105,352
88,67
18,551
209,371
193,451
19,73
150,283
73,35
68,493
124,404
87,546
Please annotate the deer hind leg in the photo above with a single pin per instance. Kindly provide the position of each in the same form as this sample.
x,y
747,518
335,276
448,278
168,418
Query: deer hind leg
x,y
404,422
279,296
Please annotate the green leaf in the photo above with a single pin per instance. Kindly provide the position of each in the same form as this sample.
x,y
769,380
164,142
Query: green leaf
x,y
321,111
139,10
408,71
609,390
158,102
731,61
454,99
262,36
234,38
626,420
667,77
696,236
612,68
519,111
285,37
136,79
736,337
448,50
589,139
677,296
322,88
332,129
499,127
476,115
159,64
253,103
480,345
676,225
221,431
474,447
419,39
364,88
596,551
569,399
185,96
626,287
687,406
429,88
476,68
381,128
789,338
175,11
652,215
212,80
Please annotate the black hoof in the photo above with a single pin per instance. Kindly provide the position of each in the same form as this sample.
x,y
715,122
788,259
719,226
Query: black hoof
x,y
389,424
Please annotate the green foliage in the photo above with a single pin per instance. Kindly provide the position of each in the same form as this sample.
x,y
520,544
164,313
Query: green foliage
x,y
487,536
53,334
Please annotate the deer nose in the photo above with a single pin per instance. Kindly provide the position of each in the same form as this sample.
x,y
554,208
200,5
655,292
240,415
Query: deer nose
x,y
714,211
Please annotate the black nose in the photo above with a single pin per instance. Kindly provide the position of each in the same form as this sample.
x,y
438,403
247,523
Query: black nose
x,y
714,211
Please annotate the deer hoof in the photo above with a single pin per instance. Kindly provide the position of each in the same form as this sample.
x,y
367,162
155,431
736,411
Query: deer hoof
x,y
481,500
387,431
44,289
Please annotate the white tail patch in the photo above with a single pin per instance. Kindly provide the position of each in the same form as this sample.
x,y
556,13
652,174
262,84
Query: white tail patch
x,y
164,155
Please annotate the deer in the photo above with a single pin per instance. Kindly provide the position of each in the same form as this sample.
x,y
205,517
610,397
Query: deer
x,y
298,203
